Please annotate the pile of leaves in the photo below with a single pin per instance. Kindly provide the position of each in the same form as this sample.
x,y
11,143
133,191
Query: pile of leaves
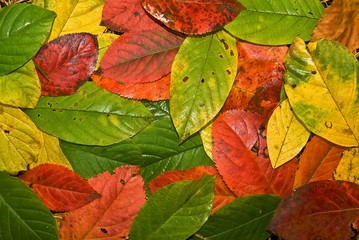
x,y
156,119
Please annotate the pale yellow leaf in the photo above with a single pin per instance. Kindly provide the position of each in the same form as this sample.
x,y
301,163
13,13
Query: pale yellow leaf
x,y
348,168
206,136
19,140
286,136
104,41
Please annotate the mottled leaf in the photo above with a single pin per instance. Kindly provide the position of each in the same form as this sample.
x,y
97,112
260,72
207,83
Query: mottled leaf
x,y
348,170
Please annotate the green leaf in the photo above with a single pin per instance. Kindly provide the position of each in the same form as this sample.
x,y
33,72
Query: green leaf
x,y
158,108
276,22
89,161
175,211
202,76
23,214
162,152
245,218
321,83
23,30
21,88
92,116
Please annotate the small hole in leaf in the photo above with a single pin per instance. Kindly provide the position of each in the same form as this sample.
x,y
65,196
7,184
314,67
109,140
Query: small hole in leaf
x,y
74,118
6,131
137,14
103,230
107,115
314,72
185,79
38,115
213,73
122,182
202,80
228,72
294,85
221,56
134,175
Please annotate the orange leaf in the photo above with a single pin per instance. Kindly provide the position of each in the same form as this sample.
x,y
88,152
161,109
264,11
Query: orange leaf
x,y
222,195
58,187
318,161
111,215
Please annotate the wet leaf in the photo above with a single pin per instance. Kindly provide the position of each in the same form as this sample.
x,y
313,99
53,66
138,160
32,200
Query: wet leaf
x,y
101,218
176,211
348,170
202,75
23,30
317,85
193,17
66,63
319,210
58,187
276,22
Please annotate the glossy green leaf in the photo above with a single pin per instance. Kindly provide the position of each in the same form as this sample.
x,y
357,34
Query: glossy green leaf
x,y
321,83
202,76
245,218
92,116
23,214
276,22
175,211
23,30
21,88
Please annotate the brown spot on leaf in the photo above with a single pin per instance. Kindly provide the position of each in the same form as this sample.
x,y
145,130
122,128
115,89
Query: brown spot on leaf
x,y
185,79
103,230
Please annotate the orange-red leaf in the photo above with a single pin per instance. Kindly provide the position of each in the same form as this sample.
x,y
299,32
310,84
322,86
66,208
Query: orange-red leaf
x,y
240,153
319,210
222,195
193,17
111,215
152,91
58,187
65,63
317,162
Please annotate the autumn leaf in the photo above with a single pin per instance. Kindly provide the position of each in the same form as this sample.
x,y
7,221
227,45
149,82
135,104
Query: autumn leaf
x,y
340,23
347,169
317,162
58,187
222,195
319,210
104,42
66,63
111,215
193,17
140,57
317,85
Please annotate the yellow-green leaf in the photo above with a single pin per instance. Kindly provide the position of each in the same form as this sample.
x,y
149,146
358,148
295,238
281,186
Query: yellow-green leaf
x,y
348,168
206,136
286,136
321,83
19,140
104,41
75,16
21,88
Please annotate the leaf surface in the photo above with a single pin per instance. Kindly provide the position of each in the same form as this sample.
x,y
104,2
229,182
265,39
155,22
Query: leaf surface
x,y
347,169
286,136
22,40
140,57
176,211
276,22
19,140
323,89
202,75
111,215
245,218
66,63
93,116
23,215
319,210
58,187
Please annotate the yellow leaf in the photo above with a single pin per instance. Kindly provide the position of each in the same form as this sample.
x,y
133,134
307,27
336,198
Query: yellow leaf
x,y
21,88
19,140
286,136
348,168
104,41
206,136
75,16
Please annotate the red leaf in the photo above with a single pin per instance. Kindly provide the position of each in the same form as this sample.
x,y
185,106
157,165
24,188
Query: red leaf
x,y
318,161
152,91
193,17
222,195
65,63
58,187
111,215
140,57
320,210
240,153
125,16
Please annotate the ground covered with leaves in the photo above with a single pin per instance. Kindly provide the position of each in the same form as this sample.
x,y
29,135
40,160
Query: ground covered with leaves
x,y
156,119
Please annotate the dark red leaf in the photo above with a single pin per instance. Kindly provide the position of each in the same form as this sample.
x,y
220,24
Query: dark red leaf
x,y
193,17
58,187
240,153
320,210
140,57
65,63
